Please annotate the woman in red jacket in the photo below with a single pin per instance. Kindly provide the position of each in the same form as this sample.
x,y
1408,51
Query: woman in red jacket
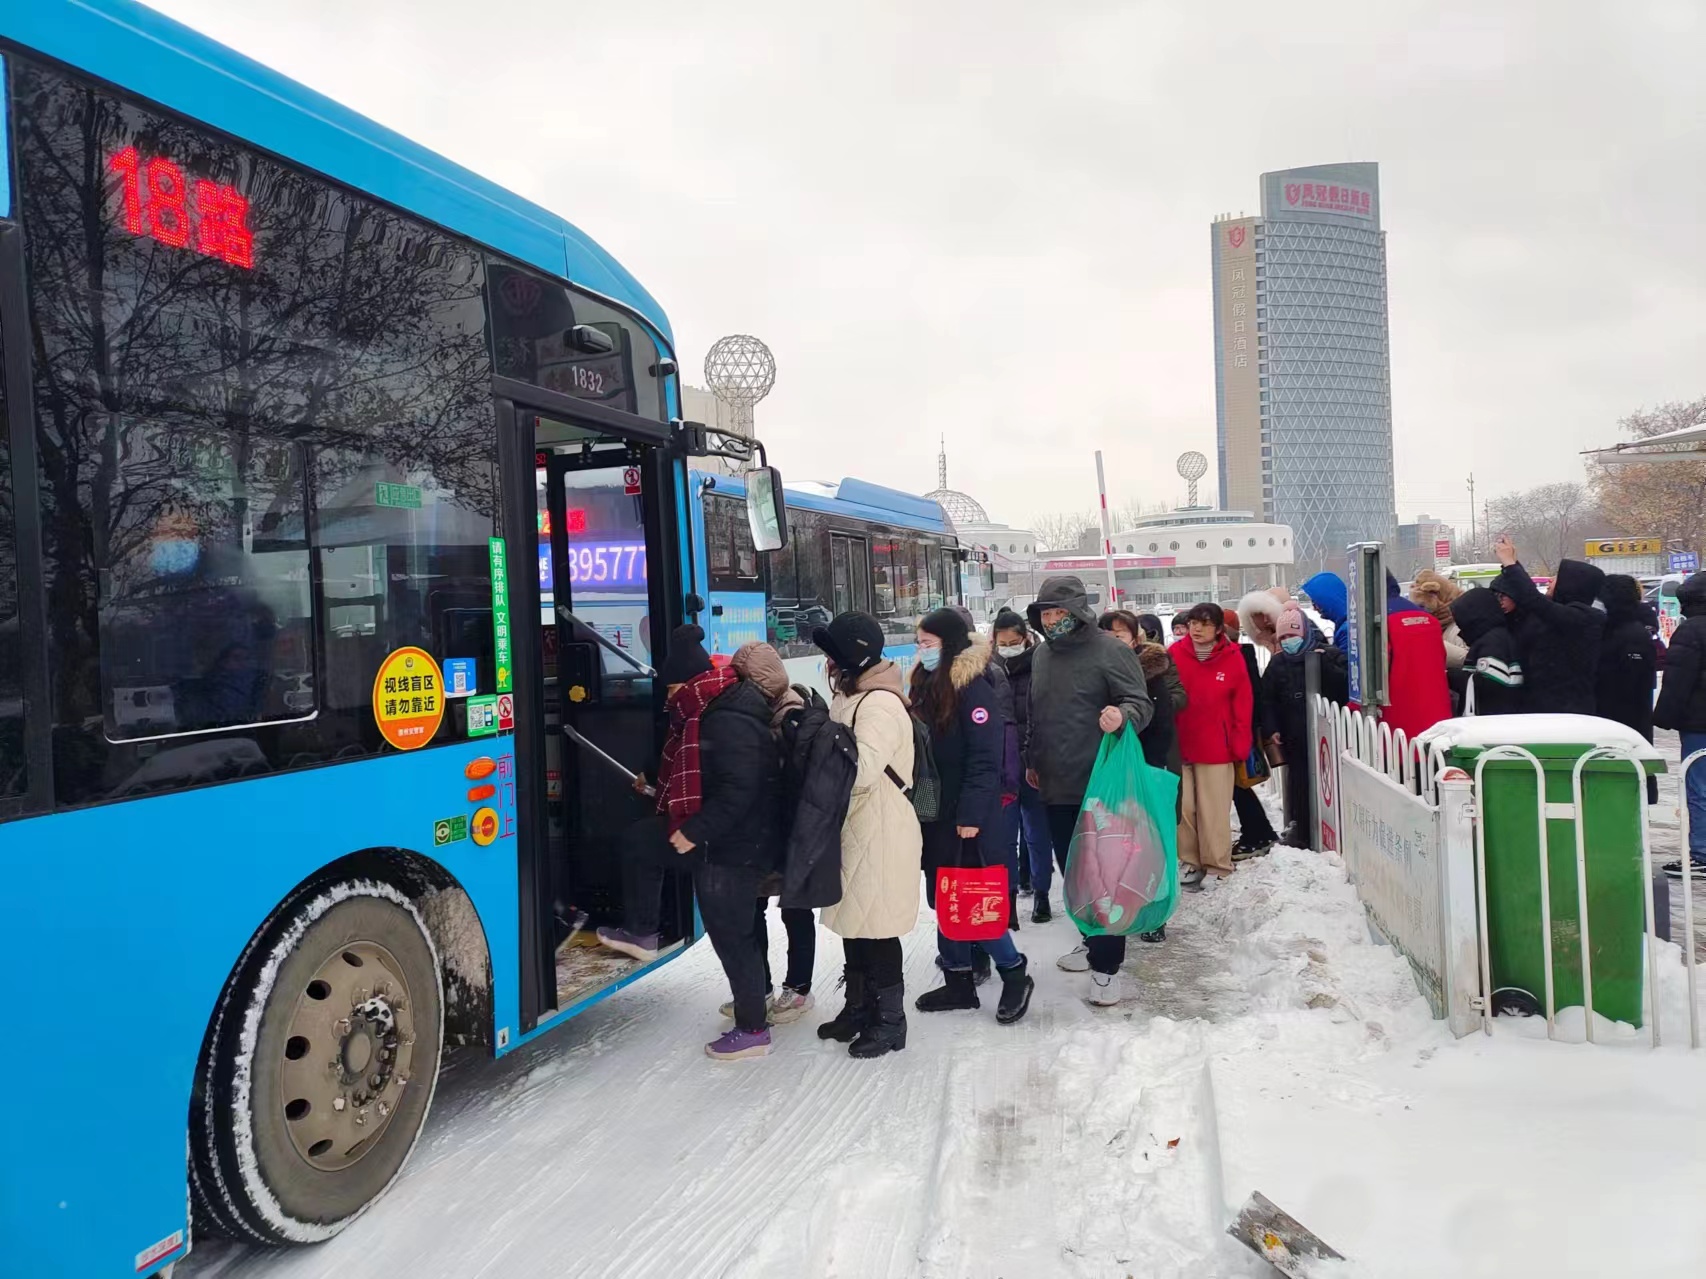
x,y
1214,733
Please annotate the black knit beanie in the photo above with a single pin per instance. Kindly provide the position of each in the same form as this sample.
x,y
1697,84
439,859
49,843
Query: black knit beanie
x,y
948,626
686,657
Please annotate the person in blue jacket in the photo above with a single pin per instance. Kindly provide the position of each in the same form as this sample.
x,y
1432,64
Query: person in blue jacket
x,y
1326,591
953,696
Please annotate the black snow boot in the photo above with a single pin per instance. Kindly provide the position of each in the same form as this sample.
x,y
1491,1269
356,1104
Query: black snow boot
x,y
956,991
857,1013
980,965
887,1031
1040,913
1016,988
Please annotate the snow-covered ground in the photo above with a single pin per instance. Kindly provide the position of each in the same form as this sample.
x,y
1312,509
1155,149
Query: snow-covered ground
x,y
1267,1044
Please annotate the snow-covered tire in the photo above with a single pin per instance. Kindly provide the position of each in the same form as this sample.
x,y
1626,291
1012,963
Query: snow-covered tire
x,y
339,990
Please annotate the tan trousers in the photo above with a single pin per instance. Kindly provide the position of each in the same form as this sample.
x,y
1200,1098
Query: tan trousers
x,y
1205,823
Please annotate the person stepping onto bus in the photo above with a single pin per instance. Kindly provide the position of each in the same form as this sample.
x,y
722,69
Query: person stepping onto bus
x,y
1084,683
954,697
880,840
718,786
761,665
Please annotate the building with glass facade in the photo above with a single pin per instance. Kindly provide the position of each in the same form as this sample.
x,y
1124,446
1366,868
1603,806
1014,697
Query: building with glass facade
x,y
1303,401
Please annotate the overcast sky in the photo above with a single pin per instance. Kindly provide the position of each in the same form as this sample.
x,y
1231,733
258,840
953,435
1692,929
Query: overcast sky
x,y
990,219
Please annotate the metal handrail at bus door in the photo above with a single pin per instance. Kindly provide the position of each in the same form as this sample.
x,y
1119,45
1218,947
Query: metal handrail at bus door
x,y
1687,828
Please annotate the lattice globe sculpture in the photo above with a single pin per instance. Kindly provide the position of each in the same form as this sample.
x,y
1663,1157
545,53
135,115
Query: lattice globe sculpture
x,y
740,371
1192,467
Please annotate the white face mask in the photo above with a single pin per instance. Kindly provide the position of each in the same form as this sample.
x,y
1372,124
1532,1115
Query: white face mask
x,y
1011,650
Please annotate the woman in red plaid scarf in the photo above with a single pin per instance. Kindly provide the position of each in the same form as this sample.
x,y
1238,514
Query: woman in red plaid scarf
x,y
718,785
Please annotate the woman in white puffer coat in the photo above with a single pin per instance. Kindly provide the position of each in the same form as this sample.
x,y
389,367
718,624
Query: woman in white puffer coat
x,y
881,843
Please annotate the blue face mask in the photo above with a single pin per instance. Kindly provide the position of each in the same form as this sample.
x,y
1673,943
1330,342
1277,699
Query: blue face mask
x,y
174,558
1292,643
929,658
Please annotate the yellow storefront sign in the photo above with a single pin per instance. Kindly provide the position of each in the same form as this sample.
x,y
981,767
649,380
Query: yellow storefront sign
x,y
1625,546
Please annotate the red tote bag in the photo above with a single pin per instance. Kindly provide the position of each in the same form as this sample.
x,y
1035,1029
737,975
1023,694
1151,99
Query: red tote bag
x,y
971,902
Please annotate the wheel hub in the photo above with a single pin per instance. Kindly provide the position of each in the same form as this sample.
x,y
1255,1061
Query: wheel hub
x,y
347,1056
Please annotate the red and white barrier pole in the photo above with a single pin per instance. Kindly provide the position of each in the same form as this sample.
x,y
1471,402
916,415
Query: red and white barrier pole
x,y
1107,534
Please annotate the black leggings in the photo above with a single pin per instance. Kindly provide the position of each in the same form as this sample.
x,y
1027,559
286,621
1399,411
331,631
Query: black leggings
x,y
878,957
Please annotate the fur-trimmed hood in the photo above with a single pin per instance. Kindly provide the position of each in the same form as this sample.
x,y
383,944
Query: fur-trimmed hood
x,y
971,662
1258,615
1153,659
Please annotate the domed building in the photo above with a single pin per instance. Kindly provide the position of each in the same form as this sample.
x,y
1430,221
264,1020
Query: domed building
x,y
1012,551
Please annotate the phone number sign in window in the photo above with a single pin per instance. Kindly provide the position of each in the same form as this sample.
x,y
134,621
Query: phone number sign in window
x,y
611,565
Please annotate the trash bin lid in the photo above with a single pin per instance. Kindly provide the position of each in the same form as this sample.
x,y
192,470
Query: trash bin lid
x,y
1547,736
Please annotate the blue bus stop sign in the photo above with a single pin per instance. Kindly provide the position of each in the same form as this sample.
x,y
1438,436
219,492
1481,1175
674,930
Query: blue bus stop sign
x,y
1684,562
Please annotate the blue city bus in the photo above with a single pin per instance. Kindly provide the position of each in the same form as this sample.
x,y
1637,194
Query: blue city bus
x,y
851,545
288,405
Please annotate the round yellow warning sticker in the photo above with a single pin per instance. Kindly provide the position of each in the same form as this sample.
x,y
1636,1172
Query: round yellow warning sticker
x,y
408,698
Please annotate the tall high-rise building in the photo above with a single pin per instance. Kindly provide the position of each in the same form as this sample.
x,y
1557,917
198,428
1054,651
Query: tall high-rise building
x,y
1302,369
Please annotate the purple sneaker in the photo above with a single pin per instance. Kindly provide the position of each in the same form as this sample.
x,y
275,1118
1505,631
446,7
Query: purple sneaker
x,y
739,1043
643,948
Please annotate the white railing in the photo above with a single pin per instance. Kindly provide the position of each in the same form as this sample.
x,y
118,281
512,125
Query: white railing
x,y
1413,837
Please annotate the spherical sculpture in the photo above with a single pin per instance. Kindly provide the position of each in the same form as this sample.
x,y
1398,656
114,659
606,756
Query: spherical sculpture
x,y
1192,467
740,371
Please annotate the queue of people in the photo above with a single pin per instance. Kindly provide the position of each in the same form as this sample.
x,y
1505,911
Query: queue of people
x,y
770,792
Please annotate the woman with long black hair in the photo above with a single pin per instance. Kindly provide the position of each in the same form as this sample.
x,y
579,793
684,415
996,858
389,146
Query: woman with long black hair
x,y
953,696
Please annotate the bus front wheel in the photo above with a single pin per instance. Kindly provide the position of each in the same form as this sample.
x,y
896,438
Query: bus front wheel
x,y
319,1067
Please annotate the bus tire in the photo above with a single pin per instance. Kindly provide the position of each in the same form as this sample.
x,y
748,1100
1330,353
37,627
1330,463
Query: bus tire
x,y
319,1067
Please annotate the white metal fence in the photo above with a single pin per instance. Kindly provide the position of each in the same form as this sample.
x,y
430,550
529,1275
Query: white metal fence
x,y
1413,839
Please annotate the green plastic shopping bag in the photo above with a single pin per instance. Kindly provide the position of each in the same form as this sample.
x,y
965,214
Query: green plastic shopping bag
x,y
1122,874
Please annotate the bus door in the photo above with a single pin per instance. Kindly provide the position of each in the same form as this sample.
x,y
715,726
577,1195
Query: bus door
x,y
597,506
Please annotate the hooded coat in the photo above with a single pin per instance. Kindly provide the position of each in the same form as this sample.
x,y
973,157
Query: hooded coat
x,y
1436,593
1558,637
738,819
1284,710
1073,676
1628,671
881,847
1682,701
1491,666
1160,737
1215,726
1417,691
1258,617
1327,592
969,751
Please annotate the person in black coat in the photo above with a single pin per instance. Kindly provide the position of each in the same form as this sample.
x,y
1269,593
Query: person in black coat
x,y
1628,672
1285,709
1682,707
1490,681
1557,635
1256,833
1015,646
953,695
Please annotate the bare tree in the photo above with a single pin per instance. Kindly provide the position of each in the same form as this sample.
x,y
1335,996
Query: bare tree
x,y
1062,530
1547,523
1666,499
1135,509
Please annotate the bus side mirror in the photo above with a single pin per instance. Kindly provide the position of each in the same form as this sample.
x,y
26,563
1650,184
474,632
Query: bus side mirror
x,y
766,510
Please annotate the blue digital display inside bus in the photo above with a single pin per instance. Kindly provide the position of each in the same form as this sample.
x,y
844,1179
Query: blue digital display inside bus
x,y
610,566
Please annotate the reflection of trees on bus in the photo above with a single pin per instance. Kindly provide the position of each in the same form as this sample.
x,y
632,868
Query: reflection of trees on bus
x,y
171,383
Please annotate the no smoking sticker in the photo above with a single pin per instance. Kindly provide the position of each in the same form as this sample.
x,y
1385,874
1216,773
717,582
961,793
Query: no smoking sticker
x,y
408,698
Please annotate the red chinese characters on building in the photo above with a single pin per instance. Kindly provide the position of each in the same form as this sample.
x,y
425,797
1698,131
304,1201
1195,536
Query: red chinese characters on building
x,y
1323,197
158,201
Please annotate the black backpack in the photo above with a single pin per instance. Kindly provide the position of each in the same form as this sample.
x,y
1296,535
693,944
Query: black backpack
x,y
820,760
926,790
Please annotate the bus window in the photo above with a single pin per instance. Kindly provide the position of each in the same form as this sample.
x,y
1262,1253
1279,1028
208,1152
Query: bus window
x,y
840,560
815,600
13,775
314,359
883,578
933,573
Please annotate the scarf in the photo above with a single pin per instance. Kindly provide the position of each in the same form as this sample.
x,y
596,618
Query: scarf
x,y
679,792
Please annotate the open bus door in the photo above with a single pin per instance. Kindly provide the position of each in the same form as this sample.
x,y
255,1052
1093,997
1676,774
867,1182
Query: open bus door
x,y
595,583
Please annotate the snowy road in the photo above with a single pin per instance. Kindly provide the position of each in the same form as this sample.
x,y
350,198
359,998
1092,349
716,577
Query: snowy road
x,y
1270,1045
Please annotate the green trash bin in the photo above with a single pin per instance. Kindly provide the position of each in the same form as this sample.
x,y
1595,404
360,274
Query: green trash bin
x,y
1613,801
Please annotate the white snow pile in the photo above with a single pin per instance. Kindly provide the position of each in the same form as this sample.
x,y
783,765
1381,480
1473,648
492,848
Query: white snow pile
x,y
1268,1044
